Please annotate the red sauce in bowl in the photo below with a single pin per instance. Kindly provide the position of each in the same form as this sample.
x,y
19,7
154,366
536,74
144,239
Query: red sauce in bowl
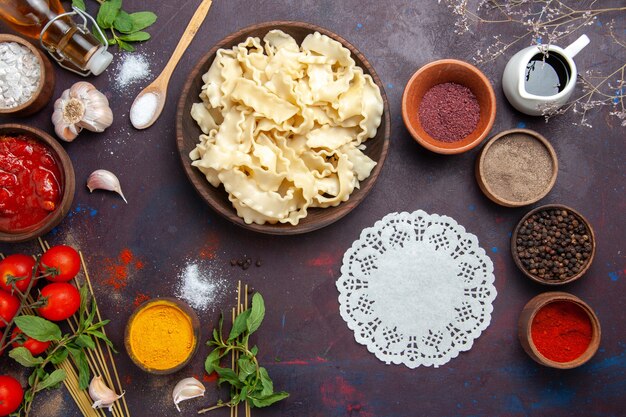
x,y
30,183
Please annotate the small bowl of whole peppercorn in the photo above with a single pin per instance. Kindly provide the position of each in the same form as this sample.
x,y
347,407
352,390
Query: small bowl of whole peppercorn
x,y
553,244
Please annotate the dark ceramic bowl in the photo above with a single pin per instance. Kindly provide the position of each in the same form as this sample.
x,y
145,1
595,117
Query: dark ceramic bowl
x,y
536,278
526,320
45,88
68,184
185,309
187,133
448,71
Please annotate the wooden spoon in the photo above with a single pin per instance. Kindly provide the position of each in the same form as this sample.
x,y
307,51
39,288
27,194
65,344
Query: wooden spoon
x,y
149,103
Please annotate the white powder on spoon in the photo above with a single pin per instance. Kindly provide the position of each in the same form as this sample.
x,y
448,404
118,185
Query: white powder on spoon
x,y
143,109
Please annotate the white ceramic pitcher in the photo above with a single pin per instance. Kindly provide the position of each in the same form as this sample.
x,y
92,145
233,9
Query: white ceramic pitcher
x,y
531,87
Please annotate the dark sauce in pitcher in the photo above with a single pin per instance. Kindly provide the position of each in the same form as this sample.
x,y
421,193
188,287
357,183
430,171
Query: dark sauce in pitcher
x,y
546,75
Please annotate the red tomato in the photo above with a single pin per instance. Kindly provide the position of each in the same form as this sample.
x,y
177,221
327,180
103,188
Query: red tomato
x,y
18,266
35,346
11,395
64,259
63,300
9,304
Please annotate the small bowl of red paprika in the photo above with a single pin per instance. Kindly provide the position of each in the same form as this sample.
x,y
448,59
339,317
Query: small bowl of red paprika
x,y
36,183
559,330
449,106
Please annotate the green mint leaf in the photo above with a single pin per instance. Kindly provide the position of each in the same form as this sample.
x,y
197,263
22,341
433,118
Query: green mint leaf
x,y
80,4
81,363
23,356
227,375
254,350
268,399
135,37
84,298
51,380
108,13
38,328
142,20
59,356
257,313
125,46
123,23
243,394
85,341
111,41
212,361
239,326
266,382
246,368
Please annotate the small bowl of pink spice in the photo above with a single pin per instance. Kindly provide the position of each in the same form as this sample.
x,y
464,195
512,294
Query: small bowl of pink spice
x,y
449,106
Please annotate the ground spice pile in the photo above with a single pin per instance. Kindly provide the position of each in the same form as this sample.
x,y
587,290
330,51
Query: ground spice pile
x,y
553,244
449,112
517,168
561,331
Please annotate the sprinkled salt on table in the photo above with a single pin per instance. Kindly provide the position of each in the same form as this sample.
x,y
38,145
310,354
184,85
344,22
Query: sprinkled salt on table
x,y
19,74
198,286
131,69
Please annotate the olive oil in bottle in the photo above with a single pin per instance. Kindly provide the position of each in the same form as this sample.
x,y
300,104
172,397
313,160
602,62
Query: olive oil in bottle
x,y
70,44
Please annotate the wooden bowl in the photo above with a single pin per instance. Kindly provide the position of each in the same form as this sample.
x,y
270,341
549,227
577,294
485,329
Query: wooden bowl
x,y
536,278
187,132
526,320
195,324
448,71
480,168
47,78
68,184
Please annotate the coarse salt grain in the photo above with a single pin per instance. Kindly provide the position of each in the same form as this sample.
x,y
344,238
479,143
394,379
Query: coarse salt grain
x,y
198,286
19,74
143,109
131,69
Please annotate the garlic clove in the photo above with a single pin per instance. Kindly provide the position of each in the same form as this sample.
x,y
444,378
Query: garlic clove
x,y
102,395
187,389
81,106
102,179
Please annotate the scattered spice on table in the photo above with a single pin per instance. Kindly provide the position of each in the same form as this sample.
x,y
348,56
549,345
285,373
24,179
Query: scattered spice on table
x,y
449,112
140,298
199,286
517,168
19,74
553,244
561,331
118,270
245,262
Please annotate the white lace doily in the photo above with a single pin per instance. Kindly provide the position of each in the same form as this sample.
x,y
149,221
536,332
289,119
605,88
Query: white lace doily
x,y
416,289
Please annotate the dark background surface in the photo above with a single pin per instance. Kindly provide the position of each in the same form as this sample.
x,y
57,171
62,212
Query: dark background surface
x,y
307,347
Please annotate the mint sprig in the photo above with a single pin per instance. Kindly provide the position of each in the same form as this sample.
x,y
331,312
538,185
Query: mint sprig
x,y
121,27
250,382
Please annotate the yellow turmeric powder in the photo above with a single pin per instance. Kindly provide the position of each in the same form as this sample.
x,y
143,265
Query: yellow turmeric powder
x,y
161,336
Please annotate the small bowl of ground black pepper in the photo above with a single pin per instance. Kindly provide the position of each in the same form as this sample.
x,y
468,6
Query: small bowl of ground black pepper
x,y
553,245
516,168
559,330
448,106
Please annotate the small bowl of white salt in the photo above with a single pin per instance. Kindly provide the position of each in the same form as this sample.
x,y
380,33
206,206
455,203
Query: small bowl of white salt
x,y
26,77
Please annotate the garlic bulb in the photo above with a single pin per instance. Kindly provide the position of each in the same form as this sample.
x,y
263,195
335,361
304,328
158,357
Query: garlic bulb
x,y
102,179
187,389
80,107
102,395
